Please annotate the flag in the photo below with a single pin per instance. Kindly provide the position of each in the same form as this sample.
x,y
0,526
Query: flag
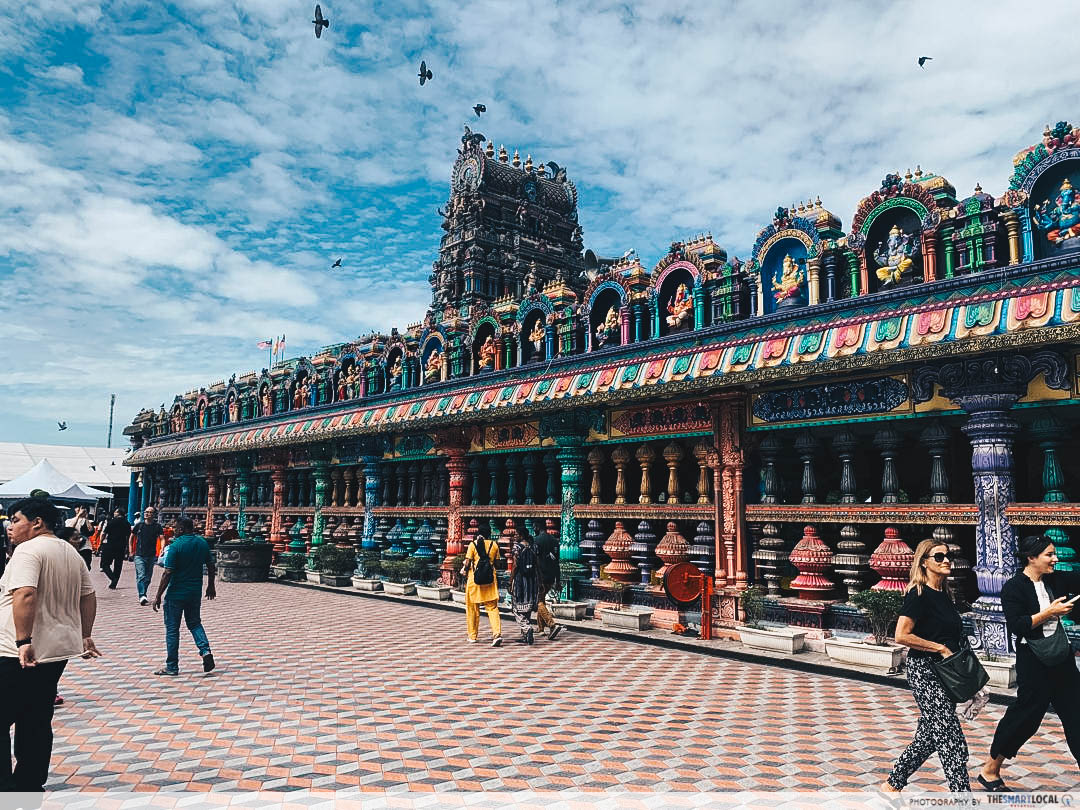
x,y
275,347
263,344
282,347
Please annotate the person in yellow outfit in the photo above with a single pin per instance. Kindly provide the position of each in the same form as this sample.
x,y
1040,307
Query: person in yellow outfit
x,y
486,595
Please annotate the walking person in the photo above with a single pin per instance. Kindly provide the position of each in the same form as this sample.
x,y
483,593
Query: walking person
x,y
525,585
930,626
114,546
146,535
47,611
482,589
181,587
1033,601
547,550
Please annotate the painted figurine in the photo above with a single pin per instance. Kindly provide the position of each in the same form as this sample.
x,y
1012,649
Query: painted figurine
x,y
790,282
342,381
536,337
433,369
267,402
177,422
352,383
487,354
894,256
395,374
681,308
1062,220
609,329
234,410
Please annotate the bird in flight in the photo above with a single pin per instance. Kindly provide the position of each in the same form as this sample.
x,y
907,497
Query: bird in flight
x,y
425,74
320,22
93,467
923,60
61,425
479,108
336,264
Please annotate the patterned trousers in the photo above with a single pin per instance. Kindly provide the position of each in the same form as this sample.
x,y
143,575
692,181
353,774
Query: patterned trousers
x,y
938,730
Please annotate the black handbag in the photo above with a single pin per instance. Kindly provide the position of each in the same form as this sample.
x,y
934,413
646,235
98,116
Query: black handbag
x,y
961,674
1053,649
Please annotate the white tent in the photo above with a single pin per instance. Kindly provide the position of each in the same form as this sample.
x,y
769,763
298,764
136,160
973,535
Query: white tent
x,y
45,476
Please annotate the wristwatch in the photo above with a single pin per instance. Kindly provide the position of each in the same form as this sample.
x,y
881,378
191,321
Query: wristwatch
x,y
22,641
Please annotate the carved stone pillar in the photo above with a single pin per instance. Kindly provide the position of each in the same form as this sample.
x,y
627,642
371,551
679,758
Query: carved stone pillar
x,y
551,464
851,560
620,457
701,455
888,441
444,486
1049,433
212,479
528,461
474,473
372,483
513,463
1012,228
673,456
387,485
277,534
596,461
414,484
427,475
829,263
571,458
936,440
336,498
349,476
807,446
645,456
813,283
455,466
493,465
322,483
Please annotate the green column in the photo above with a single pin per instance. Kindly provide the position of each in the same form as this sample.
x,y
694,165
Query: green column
x,y
1048,431
322,481
950,250
853,271
241,499
699,307
571,458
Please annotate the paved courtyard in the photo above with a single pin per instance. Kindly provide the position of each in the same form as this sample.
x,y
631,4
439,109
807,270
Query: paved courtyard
x,y
330,691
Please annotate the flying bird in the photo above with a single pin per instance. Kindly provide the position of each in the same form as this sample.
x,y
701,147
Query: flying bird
x,y
93,467
923,60
336,264
425,74
479,108
61,425
320,22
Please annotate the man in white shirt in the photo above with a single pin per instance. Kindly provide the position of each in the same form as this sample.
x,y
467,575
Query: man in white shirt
x,y
47,611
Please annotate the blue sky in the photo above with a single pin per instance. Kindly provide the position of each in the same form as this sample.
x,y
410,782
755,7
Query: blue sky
x,y
176,178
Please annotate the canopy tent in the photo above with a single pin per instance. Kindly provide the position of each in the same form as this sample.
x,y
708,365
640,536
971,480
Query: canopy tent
x,y
45,476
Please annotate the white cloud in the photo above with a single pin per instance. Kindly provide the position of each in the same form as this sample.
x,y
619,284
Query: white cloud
x,y
67,74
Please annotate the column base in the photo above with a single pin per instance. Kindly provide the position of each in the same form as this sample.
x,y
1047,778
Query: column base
x,y
990,625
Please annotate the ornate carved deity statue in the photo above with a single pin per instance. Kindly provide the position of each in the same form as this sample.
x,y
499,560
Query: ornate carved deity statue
x,y
609,329
434,366
395,374
352,383
177,422
486,354
536,337
1062,220
342,381
680,309
298,395
234,410
790,283
267,402
894,256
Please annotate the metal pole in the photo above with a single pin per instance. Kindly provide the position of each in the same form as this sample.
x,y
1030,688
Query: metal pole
x,y
112,407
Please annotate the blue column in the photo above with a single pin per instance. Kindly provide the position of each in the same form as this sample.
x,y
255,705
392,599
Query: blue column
x,y
372,485
133,496
147,486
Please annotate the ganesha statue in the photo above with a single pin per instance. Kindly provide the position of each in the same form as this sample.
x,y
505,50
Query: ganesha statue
x,y
1061,221
433,367
894,257
608,330
486,354
536,338
680,309
787,289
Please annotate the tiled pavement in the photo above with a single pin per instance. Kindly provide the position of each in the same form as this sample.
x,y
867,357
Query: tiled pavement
x,y
335,692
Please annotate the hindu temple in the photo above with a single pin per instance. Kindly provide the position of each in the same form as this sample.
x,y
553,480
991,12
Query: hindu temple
x,y
800,419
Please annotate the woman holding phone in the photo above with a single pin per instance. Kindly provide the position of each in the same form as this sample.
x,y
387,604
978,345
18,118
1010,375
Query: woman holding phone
x,y
1034,600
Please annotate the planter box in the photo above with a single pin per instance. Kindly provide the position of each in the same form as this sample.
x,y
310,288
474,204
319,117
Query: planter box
x,y
1002,673
569,610
778,639
437,593
400,588
458,596
313,576
849,651
337,580
362,584
626,619
281,572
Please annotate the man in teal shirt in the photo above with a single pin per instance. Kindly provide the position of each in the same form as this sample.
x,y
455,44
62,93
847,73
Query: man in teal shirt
x,y
182,588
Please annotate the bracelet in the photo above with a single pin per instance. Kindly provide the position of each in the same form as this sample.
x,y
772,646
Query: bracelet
x,y
22,641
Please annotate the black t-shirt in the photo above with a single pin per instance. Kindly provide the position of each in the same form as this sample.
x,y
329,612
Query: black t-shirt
x,y
146,535
117,531
936,619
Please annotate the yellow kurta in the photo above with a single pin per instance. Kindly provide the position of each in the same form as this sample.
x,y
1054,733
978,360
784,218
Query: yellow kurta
x,y
481,593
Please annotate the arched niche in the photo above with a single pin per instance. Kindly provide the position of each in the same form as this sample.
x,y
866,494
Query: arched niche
x,y
675,298
302,386
346,378
784,275
893,251
202,412
535,336
177,418
433,359
1054,208
607,313
394,368
233,409
484,349
265,397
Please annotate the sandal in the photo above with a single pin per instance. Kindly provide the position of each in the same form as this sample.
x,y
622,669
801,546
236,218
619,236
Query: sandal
x,y
995,786
165,672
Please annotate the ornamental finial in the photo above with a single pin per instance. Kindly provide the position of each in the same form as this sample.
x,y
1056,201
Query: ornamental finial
x,y
907,175
503,157
918,171
490,150
978,188
528,163
517,160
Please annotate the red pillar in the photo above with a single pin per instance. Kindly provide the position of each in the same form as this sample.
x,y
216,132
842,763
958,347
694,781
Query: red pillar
x,y
277,535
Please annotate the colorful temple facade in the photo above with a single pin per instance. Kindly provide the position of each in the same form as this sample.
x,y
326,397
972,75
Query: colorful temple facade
x,y
800,420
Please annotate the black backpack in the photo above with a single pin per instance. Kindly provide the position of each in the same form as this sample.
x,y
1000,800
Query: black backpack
x,y
483,570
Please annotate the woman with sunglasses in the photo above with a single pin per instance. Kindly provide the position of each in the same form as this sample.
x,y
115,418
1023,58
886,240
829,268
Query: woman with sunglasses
x,y
931,627
1034,600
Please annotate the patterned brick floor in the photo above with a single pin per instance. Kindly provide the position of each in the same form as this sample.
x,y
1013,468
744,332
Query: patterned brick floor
x,y
330,691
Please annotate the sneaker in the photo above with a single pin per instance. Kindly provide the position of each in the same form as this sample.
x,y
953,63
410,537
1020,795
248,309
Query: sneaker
x,y
497,641
112,587
473,640
143,600
554,632
208,662
521,640
167,672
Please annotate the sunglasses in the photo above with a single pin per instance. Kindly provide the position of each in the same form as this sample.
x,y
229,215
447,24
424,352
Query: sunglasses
x,y
941,557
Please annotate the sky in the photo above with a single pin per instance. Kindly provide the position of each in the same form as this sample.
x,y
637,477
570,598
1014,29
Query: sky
x,y
177,177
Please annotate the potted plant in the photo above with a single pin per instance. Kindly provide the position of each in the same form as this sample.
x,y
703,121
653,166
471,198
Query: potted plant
x,y
457,581
426,588
616,616
335,564
370,566
882,609
755,633
397,578
288,566
1001,669
567,608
